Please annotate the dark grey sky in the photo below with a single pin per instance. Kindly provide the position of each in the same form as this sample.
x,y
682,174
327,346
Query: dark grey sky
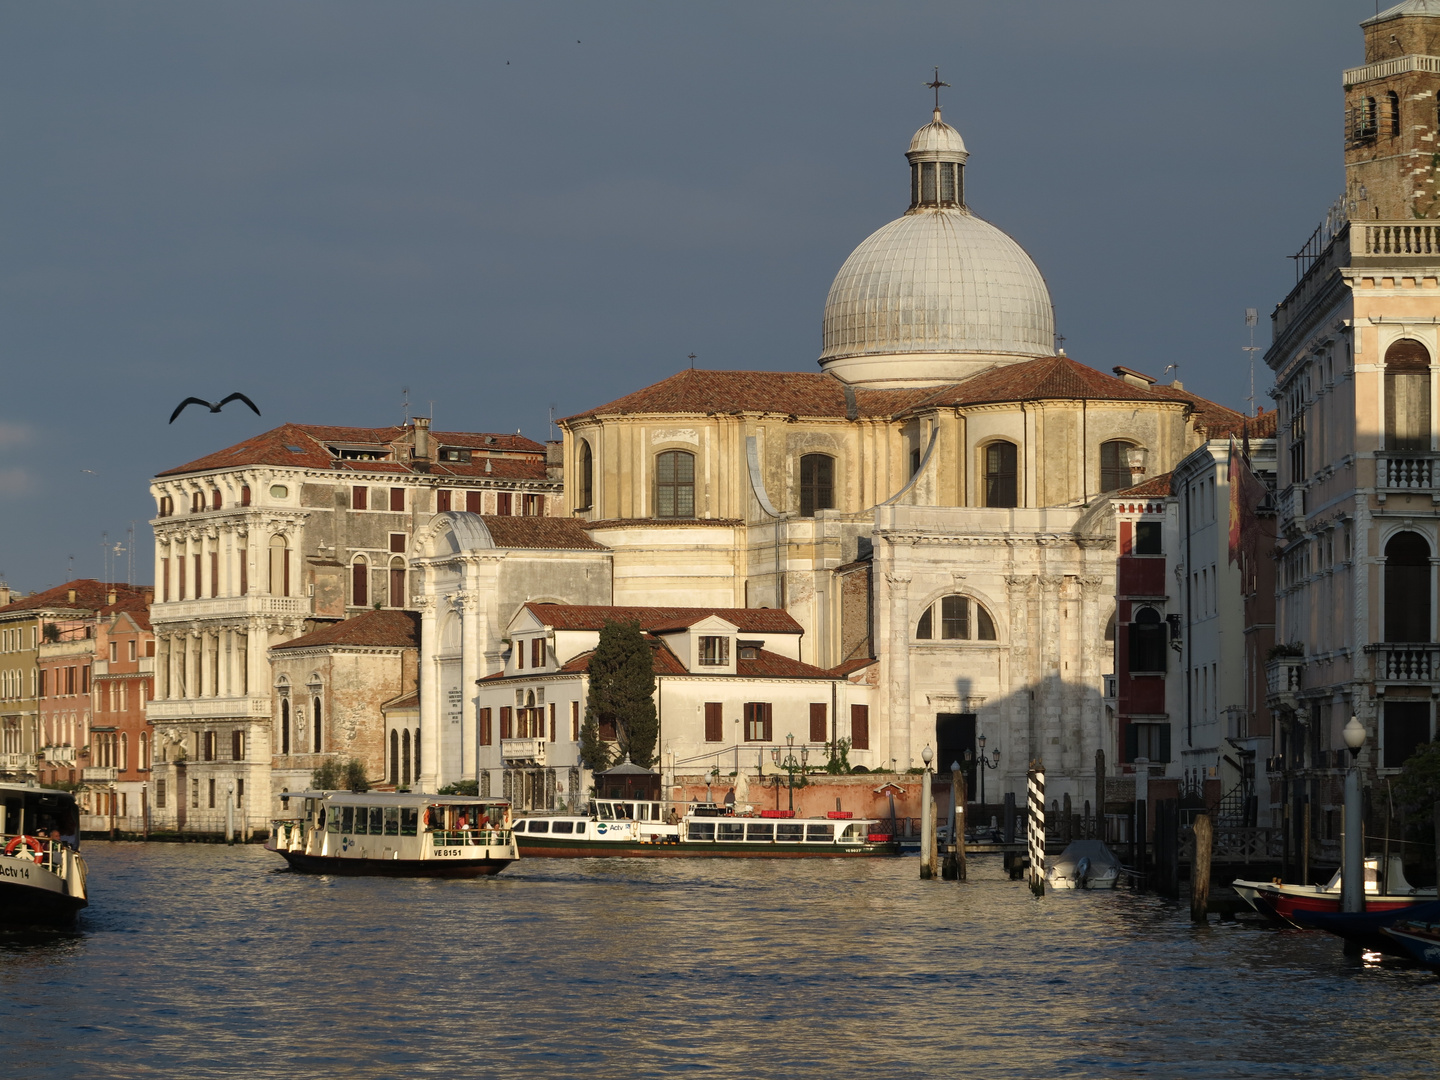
x,y
505,206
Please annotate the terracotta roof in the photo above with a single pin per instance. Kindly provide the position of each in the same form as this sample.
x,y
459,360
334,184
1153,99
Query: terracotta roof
x,y
849,667
1049,378
653,523
404,701
664,662
304,446
1156,486
1256,427
1213,420
385,628
789,393
540,532
90,595
655,619
766,665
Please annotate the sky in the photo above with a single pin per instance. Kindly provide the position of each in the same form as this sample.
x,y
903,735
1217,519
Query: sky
x,y
511,207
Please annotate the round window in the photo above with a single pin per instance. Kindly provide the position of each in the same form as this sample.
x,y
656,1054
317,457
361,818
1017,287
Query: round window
x,y
278,491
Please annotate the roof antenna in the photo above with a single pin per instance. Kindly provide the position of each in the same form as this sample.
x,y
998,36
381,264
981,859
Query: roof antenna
x,y
552,421
692,361
405,405
1251,318
1169,368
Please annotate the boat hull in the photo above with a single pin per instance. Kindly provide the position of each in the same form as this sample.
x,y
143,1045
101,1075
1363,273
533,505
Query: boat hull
x,y
30,895
1288,904
1365,928
538,847
1421,947
354,867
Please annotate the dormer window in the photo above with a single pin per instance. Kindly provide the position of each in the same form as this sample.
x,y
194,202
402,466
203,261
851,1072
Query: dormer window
x,y
714,651
358,452
749,652
454,453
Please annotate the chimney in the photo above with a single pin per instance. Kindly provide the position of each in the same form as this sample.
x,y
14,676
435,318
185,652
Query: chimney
x,y
72,596
111,598
422,439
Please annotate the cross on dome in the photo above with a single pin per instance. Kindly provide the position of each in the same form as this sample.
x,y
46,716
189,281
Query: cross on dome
x,y
935,85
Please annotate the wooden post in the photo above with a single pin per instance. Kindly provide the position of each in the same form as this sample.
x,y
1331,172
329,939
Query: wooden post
x,y
1035,827
934,865
1099,833
1305,845
927,829
145,809
1200,870
957,833
1067,831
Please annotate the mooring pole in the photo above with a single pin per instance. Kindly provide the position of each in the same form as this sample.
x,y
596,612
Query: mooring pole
x,y
927,822
1035,828
1200,870
947,864
962,795
1099,833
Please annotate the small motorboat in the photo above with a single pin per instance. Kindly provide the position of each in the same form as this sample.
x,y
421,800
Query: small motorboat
x,y
1420,940
1085,864
1282,902
1365,928
42,876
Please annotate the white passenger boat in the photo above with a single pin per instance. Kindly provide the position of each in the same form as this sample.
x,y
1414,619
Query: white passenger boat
x,y
627,828
42,876
398,835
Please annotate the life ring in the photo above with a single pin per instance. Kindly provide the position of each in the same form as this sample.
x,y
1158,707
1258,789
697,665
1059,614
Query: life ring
x,y
35,846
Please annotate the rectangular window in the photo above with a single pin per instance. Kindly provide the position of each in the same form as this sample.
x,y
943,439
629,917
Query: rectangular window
x,y
239,794
199,585
397,543
505,721
442,502
537,652
552,721
519,656
714,721
534,505
160,794
212,794
504,504
1147,538
359,498
955,618
1150,741
214,574
860,727
132,648
44,672
817,492
818,725
85,679
486,734
397,500
1407,725
474,502
180,577
195,793
757,721
714,651
574,721
237,745
244,571
114,651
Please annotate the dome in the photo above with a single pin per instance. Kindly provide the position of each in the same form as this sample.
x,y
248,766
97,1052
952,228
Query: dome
x,y
939,294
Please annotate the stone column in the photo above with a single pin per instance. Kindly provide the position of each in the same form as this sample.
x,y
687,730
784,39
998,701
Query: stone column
x,y
429,682
902,713
471,646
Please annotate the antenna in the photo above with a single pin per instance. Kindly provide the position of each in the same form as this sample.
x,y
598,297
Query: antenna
x,y
105,558
552,421
405,405
692,361
130,556
1252,317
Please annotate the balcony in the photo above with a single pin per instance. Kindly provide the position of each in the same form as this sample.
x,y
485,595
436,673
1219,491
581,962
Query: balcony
x,y
523,751
1392,243
60,755
230,606
1112,689
1405,663
1290,508
176,710
1406,472
17,762
1282,680
97,774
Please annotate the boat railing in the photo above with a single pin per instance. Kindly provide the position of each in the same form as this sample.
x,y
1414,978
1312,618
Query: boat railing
x,y
289,834
470,837
54,855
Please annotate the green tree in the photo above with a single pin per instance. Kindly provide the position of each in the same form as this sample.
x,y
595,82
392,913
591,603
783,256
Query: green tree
x,y
622,689
335,775
1417,794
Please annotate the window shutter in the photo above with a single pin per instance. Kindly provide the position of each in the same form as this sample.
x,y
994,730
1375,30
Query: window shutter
x,y
442,502
503,503
552,721
860,727
504,721
765,712
359,498
397,500
817,722
214,574
244,574
575,721
714,721
1165,742
537,652
237,745
485,732
473,502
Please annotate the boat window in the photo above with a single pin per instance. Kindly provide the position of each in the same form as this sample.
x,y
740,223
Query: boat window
x,y
580,826
562,826
392,821
760,832
789,834
539,826
730,830
320,819
821,833
377,820
702,830
606,813
625,811
519,826
332,823
347,819
409,820
852,832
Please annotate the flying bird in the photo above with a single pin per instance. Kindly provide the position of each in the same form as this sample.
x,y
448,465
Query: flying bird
x,y
237,396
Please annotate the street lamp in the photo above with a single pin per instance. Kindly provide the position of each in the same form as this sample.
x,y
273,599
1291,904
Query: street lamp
x,y
984,764
927,820
1352,867
790,764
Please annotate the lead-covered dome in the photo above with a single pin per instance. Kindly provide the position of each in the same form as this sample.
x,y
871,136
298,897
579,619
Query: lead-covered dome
x,y
938,294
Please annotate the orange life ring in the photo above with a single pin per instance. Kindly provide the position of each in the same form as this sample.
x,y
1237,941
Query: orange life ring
x,y
35,845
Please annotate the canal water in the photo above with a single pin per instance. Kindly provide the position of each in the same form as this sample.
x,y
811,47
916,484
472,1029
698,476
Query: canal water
x,y
208,961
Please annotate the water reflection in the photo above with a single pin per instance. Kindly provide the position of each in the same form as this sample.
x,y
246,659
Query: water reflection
x,y
205,961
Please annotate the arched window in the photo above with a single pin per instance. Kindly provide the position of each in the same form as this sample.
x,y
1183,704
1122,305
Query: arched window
x,y
315,725
417,755
675,484
1392,99
1114,465
587,476
144,750
1147,641
394,757
284,725
1407,588
244,494
1367,124
360,582
279,567
397,582
817,483
1000,475
405,757
958,618
1407,396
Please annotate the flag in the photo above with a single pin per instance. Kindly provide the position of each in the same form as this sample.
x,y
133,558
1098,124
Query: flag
x,y
1247,492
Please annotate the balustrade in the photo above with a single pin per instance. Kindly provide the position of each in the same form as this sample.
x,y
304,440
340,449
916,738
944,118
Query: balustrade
x,y
1417,663
1405,471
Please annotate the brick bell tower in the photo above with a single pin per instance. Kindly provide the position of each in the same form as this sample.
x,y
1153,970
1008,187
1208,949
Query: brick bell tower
x,y
1392,116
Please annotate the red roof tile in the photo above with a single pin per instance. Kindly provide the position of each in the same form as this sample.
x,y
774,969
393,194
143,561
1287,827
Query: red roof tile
x,y
594,617
1155,487
1049,378
540,532
663,661
90,595
376,629
404,701
849,667
769,665
304,446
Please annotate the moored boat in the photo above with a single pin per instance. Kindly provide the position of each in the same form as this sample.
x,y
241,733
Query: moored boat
x,y
1284,902
1084,864
42,876
1420,940
1365,928
395,835
619,828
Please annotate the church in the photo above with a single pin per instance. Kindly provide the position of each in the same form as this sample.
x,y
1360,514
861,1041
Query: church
x,y
928,508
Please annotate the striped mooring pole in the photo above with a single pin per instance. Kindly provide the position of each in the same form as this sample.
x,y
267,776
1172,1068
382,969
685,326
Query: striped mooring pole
x,y
1035,828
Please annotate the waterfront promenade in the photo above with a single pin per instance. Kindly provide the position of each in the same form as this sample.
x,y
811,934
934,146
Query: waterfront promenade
x,y
207,961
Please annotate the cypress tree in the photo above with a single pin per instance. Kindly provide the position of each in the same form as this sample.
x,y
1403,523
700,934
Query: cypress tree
x,y
622,689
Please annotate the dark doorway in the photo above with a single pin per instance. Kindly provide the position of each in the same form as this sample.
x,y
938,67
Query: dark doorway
x,y
955,741
1407,725
1407,588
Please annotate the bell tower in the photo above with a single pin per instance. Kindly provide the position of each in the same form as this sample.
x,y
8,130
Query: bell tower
x,y
1392,116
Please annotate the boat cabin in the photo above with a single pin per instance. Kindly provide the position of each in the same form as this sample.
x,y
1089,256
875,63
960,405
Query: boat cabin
x,y
40,812
628,810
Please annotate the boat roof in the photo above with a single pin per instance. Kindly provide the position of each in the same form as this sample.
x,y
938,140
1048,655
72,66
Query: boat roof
x,y
393,798
26,789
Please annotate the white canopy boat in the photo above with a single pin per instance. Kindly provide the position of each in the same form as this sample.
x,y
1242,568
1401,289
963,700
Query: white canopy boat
x,y
1085,864
42,876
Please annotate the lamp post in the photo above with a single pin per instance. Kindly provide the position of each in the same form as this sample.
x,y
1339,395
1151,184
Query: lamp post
x,y
984,764
791,764
927,820
1352,865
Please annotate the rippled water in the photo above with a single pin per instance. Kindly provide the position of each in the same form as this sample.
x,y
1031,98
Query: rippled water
x,y
203,961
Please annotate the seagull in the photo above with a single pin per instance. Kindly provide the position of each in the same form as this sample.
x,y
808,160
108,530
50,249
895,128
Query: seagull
x,y
237,396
